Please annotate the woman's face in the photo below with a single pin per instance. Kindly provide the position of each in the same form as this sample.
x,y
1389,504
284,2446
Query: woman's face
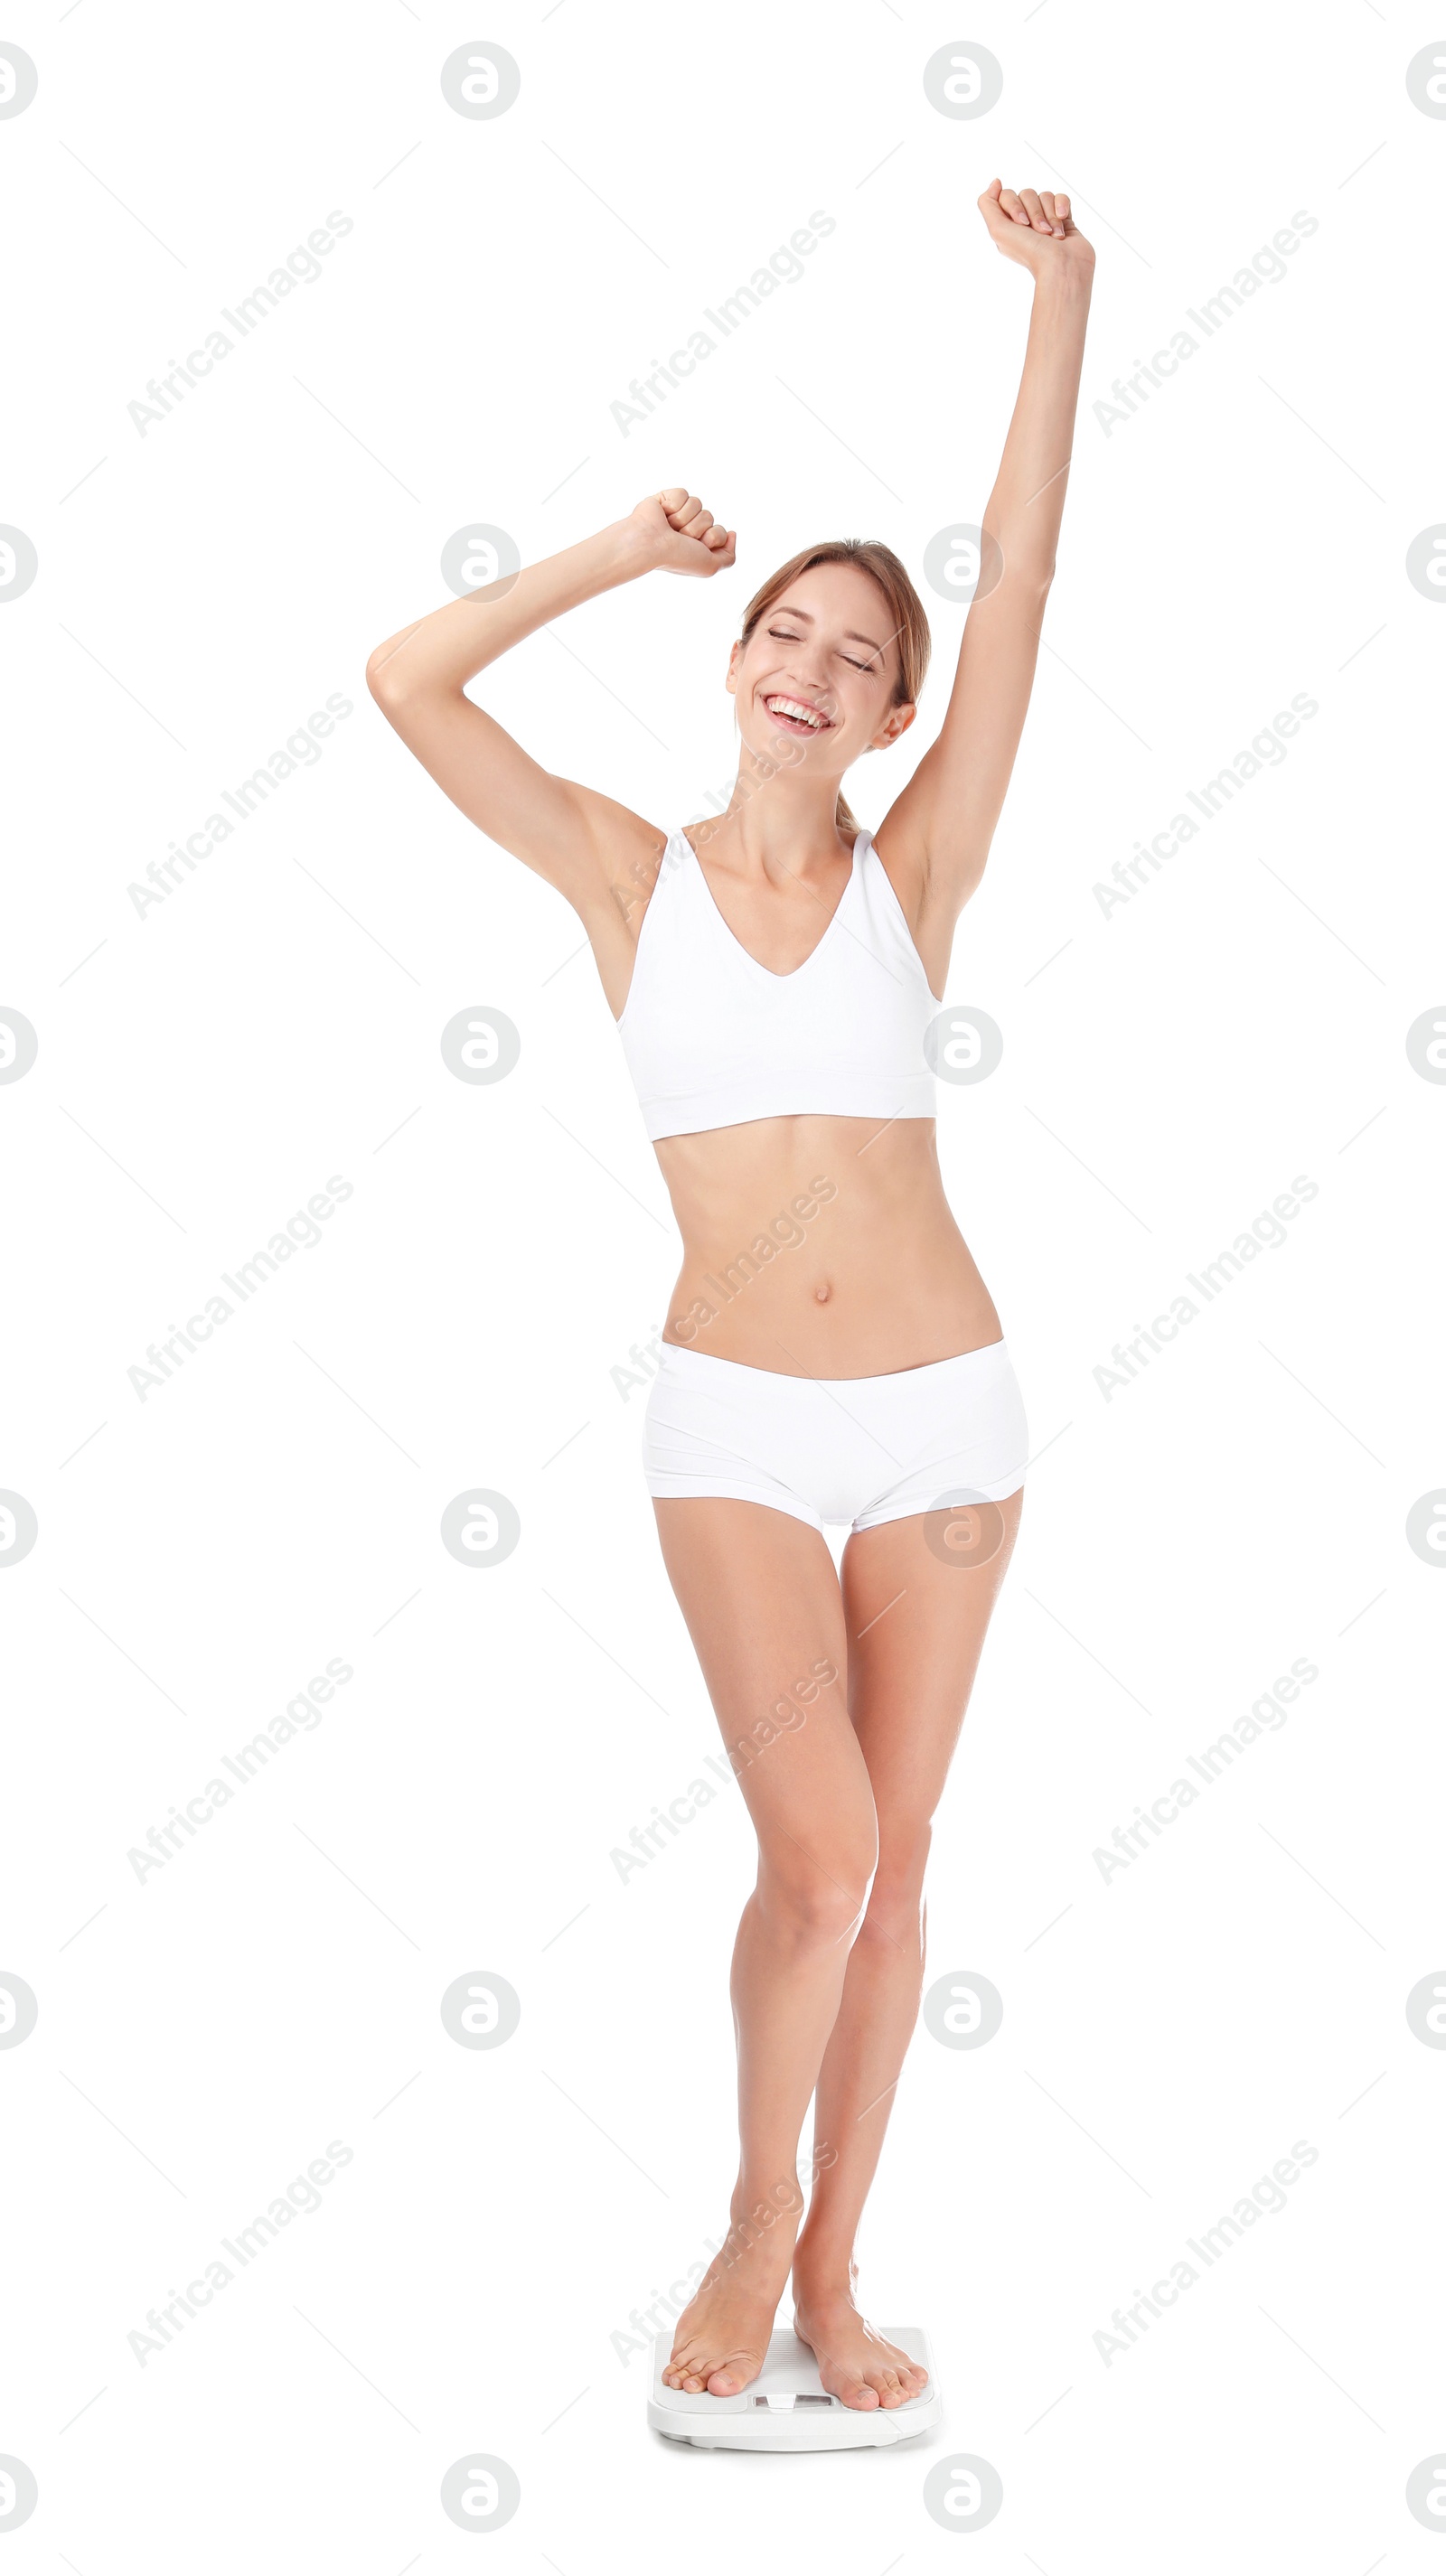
x,y
820,669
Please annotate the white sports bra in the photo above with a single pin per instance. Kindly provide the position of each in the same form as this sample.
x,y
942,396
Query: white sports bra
x,y
713,1039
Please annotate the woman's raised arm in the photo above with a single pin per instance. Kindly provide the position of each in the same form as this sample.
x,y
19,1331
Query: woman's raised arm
x,y
937,834
577,839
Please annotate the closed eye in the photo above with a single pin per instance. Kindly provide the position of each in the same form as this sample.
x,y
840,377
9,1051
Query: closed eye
x,y
782,636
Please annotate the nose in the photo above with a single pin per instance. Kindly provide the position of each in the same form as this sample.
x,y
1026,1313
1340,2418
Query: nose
x,y
813,685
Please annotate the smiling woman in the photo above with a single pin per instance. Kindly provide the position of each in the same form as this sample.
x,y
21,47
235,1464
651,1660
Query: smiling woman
x,y
789,620
774,976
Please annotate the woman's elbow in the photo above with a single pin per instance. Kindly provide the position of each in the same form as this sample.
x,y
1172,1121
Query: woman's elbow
x,y
385,680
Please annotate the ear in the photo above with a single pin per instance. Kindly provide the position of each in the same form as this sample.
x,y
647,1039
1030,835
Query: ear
x,y
734,658
896,722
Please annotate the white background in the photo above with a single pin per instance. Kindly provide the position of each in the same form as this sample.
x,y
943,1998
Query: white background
x,y
1169,1068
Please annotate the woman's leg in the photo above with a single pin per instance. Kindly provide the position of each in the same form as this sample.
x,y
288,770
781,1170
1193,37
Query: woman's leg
x,y
762,1603
916,1625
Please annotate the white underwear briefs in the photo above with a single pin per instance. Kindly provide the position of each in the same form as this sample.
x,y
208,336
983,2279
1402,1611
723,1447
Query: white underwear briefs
x,y
854,1449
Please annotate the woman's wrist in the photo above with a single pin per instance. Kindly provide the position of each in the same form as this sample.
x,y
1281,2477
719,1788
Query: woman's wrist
x,y
630,547
1065,287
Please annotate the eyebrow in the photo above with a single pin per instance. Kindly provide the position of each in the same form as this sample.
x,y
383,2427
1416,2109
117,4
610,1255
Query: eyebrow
x,y
851,635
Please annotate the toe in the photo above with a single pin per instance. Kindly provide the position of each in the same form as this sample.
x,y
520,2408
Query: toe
x,y
857,2392
683,2370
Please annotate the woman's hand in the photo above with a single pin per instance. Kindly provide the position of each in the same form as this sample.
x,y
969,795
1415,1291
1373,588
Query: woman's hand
x,y
683,536
1036,228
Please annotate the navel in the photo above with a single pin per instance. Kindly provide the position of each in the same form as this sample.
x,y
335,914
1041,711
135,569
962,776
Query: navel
x,y
821,1292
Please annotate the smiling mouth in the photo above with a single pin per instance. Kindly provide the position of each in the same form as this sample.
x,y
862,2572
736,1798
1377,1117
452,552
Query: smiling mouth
x,y
795,715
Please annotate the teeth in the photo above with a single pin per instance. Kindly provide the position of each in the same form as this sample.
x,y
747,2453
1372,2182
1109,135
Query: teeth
x,y
792,707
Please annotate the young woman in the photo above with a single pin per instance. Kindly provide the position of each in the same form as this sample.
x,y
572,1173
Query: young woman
x,y
833,1354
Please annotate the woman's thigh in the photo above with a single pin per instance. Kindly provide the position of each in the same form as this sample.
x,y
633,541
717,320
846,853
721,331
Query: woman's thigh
x,y
918,1594
762,1602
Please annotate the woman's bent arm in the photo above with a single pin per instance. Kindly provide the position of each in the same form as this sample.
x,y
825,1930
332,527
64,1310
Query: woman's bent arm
x,y
572,836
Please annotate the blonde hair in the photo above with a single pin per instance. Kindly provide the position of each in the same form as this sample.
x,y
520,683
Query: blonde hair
x,y
908,623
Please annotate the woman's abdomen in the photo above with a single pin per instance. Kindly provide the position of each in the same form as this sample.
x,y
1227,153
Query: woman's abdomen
x,y
821,1247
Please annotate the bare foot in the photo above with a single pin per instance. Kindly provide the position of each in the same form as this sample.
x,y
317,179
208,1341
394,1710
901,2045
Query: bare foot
x,y
722,2337
855,2362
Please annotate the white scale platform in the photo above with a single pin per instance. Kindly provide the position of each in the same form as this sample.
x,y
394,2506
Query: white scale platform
x,y
786,2409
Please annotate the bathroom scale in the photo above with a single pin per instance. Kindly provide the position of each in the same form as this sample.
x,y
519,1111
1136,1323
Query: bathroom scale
x,y
786,2409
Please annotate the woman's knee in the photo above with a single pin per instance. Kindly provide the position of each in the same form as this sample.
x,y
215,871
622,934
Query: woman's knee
x,y
816,1887
897,1893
